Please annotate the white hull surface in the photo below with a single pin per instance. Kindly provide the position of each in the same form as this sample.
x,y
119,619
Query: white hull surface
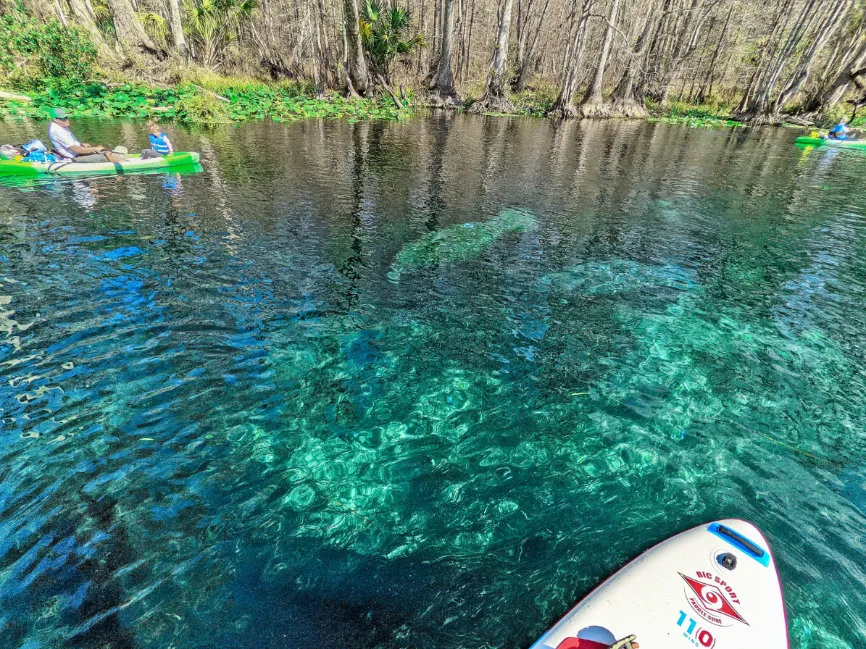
x,y
683,593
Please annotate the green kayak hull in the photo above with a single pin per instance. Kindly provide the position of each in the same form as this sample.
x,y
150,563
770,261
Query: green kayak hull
x,y
134,163
20,181
840,144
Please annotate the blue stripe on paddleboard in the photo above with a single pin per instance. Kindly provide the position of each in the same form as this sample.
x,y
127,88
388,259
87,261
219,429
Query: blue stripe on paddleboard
x,y
731,536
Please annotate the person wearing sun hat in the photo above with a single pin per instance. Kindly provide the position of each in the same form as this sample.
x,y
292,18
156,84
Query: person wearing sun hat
x,y
68,146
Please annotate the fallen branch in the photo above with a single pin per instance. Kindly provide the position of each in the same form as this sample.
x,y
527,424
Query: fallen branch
x,y
211,93
14,97
160,109
390,92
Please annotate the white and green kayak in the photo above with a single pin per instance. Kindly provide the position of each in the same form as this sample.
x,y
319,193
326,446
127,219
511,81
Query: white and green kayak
x,y
66,168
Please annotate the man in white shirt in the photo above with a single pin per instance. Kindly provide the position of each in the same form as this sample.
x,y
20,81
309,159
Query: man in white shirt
x,y
66,144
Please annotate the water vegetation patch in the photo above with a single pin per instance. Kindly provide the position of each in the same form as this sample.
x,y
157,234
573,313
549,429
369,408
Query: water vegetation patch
x,y
706,115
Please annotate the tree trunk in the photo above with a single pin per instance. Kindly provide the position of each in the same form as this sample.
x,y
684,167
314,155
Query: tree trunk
x,y
564,104
83,15
468,60
437,24
494,98
685,42
443,84
760,67
356,64
60,14
593,103
177,36
649,82
321,47
826,31
761,104
851,71
130,32
708,79
528,58
625,100
423,31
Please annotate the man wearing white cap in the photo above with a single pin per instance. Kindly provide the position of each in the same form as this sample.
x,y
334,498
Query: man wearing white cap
x,y
66,144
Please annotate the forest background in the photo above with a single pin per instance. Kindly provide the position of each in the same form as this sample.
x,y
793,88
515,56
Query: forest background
x,y
696,61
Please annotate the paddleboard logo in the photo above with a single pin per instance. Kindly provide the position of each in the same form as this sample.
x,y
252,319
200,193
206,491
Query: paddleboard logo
x,y
710,603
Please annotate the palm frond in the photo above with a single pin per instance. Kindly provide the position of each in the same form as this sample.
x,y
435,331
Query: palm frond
x,y
155,25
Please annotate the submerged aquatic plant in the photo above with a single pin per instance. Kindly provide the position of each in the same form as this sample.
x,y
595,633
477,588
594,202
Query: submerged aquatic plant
x,y
459,242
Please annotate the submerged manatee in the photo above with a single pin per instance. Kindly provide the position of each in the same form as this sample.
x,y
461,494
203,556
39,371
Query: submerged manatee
x,y
619,276
459,242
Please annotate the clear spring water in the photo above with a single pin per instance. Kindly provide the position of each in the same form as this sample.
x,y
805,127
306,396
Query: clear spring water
x,y
423,384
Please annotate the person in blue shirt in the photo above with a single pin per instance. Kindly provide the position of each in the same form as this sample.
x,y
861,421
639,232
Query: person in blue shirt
x,y
840,131
159,143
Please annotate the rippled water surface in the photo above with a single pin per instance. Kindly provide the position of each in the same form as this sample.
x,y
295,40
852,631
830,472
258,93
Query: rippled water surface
x,y
423,384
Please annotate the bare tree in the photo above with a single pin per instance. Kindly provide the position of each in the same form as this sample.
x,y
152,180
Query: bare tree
x,y
853,69
495,98
564,104
707,85
765,58
320,40
761,105
358,77
593,104
443,84
527,42
177,35
626,102
828,27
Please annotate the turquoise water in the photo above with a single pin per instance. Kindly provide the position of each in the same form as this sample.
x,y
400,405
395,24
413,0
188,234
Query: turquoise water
x,y
423,384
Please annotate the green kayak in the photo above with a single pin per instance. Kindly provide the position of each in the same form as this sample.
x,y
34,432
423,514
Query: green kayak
x,y
20,181
134,163
841,144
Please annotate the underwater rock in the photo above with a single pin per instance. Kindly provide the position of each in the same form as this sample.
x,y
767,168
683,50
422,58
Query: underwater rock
x,y
459,242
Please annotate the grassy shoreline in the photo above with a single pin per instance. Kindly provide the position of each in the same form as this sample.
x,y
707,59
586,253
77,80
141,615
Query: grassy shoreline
x,y
242,101
213,99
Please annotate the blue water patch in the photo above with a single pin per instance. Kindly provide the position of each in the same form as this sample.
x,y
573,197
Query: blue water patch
x,y
85,239
121,253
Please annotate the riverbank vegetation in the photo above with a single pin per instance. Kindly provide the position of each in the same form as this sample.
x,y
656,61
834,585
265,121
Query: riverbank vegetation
x,y
699,62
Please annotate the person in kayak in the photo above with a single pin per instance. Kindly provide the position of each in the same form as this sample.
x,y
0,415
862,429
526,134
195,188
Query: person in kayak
x,y
68,146
840,131
159,142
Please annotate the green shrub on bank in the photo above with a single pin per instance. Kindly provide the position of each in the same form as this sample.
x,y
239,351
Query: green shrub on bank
x,y
193,104
711,114
34,55
536,101
696,122
713,109
201,109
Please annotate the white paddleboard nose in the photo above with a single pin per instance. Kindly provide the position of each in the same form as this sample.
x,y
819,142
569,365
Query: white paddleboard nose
x,y
714,586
